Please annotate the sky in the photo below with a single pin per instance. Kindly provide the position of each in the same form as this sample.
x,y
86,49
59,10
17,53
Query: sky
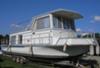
x,y
17,11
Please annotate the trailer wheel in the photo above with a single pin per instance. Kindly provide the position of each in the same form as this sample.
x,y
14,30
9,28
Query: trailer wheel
x,y
22,60
18,59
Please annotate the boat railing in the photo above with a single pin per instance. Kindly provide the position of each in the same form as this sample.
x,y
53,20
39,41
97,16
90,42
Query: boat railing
x,y
88,35
85,35
80,35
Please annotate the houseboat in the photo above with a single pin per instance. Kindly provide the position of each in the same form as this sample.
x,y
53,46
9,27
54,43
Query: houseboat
x,y
52,35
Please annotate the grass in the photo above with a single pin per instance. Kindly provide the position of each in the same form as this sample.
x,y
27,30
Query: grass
x,y
6,62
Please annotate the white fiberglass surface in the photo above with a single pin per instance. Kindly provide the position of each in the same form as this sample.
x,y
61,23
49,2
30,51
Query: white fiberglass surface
x,y
37,51
48,51
80,41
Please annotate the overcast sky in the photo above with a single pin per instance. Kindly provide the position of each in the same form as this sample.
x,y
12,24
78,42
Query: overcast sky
x,y
17,11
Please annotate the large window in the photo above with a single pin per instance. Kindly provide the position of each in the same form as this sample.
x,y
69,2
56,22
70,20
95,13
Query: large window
x,y
63,23
71,24
57,22
43,23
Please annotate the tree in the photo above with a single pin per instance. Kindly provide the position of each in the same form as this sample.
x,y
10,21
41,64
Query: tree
x,y
6,38
1,38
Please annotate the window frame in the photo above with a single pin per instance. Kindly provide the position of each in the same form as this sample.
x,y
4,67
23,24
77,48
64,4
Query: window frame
x,y
44,27
69,22
13,39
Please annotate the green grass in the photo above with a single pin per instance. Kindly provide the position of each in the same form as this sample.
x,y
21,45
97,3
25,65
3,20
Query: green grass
x,y
6,62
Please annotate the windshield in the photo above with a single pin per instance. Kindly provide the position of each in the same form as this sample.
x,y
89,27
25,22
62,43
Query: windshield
x,y
43,23
63,23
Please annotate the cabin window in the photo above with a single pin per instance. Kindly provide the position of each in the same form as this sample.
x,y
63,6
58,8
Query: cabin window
x,y
57,22
71,24
63,23
43,23
20,39
13,40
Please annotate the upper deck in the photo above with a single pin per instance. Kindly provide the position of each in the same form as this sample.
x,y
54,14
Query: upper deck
x,y
57,19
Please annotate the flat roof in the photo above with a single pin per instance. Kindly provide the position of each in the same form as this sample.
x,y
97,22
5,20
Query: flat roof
x,y
63,12
67,13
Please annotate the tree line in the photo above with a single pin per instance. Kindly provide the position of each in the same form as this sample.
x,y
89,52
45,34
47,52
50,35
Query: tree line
x,y
4,39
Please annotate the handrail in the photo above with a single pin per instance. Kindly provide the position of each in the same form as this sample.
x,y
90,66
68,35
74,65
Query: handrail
x,y
81,34
87,34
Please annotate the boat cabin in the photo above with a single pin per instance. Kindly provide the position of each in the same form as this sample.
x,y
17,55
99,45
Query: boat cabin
x,y
48,29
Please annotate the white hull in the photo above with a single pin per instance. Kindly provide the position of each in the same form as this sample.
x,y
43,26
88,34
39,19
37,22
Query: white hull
x,y
48,52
